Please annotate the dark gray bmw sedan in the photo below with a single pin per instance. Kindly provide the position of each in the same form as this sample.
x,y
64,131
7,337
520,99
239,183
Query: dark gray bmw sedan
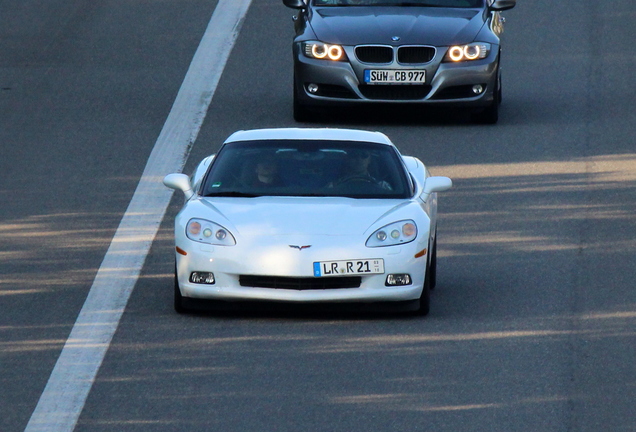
x,y
429,52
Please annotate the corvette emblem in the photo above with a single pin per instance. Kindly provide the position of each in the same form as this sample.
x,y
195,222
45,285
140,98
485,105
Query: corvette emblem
x,y
299,247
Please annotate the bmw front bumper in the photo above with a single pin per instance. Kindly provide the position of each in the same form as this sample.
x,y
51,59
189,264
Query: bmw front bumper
x,y
324,82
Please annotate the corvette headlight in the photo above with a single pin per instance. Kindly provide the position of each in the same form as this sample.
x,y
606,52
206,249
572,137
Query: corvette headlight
x,y
204,231
394,234
473,51
323,51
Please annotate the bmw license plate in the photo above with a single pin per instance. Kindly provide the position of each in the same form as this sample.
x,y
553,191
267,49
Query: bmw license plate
x,y
391,76
348,267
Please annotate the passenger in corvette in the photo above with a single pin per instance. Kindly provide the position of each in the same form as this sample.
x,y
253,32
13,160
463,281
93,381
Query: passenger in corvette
x,y
356,169
266,173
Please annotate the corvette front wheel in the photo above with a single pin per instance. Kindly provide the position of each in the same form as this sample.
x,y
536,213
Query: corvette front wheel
x,y
425,297
178,298
432,269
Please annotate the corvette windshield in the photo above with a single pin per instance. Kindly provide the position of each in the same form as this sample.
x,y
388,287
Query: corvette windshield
x,y
429,3
307,168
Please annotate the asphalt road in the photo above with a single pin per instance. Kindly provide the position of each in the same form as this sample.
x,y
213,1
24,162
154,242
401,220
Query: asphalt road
x,y
532,327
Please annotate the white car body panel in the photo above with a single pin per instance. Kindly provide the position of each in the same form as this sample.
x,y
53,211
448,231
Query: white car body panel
x,y
283,236
310,133
335,228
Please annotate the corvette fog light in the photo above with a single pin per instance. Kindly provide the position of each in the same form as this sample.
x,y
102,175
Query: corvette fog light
x,y
202,278
312,88
398,280
478,89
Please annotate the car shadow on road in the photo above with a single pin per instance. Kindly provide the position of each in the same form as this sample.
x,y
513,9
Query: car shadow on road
x,y
394,115
286,311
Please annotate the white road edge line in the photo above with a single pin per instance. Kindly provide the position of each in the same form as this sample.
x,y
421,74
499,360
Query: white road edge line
x,y
64,396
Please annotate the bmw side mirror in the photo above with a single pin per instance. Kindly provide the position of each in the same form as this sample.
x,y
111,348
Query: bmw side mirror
x,y
180,182
502,5
295,4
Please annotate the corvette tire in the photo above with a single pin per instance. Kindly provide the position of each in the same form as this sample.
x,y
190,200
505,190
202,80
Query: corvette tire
x,y
178,298
432,268
425,297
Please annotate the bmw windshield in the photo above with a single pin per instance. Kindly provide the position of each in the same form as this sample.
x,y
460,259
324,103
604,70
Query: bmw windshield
x,y
423,3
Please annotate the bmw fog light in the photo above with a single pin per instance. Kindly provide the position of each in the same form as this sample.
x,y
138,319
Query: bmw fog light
x,y
312,88
398,280
202,278
478,89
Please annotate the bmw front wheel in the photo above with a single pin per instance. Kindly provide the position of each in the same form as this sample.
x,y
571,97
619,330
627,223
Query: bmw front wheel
x,y
301,114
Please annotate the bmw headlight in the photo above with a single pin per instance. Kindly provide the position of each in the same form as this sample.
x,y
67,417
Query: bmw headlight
x,y
394,234
323,51
462,53
204,231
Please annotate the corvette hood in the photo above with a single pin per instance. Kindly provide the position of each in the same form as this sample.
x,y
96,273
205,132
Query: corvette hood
x,y
413,25
267,216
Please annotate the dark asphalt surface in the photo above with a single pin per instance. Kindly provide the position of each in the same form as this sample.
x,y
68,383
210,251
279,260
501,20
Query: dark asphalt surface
x,y
532,327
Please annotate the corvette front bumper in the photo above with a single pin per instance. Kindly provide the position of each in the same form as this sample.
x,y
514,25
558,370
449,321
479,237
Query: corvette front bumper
x,y
229,264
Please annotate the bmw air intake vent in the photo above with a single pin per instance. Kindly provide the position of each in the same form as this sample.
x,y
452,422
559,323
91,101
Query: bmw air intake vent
x,y
415,54
374,54
394,92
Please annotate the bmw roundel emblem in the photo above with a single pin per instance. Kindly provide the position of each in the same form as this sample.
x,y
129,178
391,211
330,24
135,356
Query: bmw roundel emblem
x,y
395,38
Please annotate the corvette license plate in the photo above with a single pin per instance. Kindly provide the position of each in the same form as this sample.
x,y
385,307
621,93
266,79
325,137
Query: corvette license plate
x,y
390,76
348,267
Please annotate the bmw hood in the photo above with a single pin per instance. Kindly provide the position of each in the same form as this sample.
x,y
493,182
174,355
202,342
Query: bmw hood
x,y
271,216
412,25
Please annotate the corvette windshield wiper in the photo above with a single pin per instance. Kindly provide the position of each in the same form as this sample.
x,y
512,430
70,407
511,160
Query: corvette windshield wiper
x,y
233,194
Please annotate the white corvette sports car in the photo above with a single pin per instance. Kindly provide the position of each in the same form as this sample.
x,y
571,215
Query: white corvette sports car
x,y
307,216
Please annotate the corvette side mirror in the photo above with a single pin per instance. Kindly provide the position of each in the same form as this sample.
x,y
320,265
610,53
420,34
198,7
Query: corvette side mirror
x,y
502,5
295,4
180,182
436,184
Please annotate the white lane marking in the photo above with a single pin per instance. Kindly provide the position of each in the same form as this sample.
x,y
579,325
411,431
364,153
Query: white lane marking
x,y
68,386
